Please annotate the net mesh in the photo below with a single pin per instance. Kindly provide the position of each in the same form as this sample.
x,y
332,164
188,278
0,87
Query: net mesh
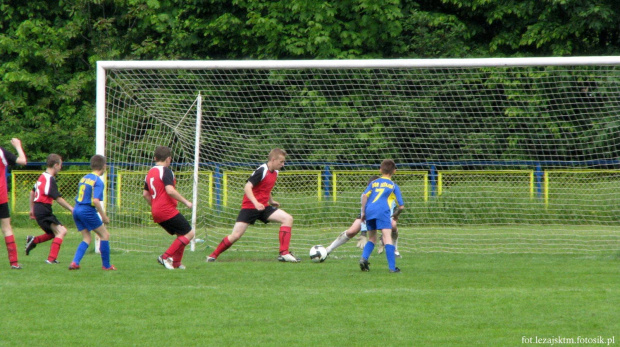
x,y
491,159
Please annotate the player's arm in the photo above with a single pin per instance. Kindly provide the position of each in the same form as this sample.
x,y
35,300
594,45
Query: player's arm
x,y
364,201
250,194
273,202
99,208
172,191
62,202
400,202
146,194
21,155
31,201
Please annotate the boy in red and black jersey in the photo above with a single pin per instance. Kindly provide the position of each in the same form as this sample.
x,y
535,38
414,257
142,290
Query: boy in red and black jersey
x,y
258,204
160,193
7,158
42,196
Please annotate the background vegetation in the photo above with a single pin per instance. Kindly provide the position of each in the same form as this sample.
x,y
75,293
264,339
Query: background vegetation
x,y
49,49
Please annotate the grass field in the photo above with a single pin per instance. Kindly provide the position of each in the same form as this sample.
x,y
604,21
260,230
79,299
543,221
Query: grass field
x,y
249,299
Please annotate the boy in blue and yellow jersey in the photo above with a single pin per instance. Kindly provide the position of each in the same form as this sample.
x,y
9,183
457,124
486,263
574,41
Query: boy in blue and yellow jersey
x,y
377,212
88,214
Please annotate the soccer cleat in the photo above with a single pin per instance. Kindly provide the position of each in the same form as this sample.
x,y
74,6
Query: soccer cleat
x,y
74,266
52,262
168,263
111,268
289,257
210,259
396,270
364,265
397,254
181,267
16,267
30,245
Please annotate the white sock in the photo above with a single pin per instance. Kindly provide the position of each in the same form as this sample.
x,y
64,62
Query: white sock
x,y
339,241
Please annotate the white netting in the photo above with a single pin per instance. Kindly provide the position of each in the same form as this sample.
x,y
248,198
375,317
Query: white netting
x,y
490,159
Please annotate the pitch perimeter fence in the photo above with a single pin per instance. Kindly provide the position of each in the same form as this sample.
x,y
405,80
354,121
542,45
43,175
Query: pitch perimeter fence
x,y
435,193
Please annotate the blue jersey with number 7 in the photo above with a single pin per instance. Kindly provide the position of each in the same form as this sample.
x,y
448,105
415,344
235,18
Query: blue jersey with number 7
x,y
381,194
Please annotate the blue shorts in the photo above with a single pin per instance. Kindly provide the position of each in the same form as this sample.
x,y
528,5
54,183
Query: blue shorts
x,y
86,217
378,224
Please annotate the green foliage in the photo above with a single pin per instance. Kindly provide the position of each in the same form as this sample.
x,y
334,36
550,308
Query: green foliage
x,y
49,49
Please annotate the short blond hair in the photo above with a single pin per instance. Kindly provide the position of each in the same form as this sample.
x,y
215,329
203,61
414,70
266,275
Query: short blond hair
x,y
276,152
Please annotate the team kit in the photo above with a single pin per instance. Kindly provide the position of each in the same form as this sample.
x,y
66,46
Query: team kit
x,y
381,203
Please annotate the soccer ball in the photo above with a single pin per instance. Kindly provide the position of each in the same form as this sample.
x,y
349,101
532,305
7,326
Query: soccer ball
x,y
318,254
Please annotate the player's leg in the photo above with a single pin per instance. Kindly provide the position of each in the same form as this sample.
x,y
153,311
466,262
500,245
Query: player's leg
x,y
286,225
369,247
59,233
177,226
395,238
9,240
81,249
238,231
104,247
346,235
386,232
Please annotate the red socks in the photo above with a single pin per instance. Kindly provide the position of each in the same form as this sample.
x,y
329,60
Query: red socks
x,y
54,249
43,238
179,242
224,245
11,248
285,239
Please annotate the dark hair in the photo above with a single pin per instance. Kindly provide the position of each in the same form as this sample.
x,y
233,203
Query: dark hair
x,y
373,178
97,162
53,159
162,153
388,167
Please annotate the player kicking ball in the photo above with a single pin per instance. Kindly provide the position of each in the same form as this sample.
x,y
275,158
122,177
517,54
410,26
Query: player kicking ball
x,y
44,193
160,193
258,205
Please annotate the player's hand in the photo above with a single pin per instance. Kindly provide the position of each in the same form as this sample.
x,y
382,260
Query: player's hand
x,y
361,241
105,220
259,206
32,215
189,204
275,204
17,143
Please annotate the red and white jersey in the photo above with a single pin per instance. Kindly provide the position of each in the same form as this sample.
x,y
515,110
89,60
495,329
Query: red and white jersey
x,y
46,190
163,206
263,181
6,158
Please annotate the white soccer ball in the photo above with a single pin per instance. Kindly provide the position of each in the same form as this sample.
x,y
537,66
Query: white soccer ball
x,y
318,254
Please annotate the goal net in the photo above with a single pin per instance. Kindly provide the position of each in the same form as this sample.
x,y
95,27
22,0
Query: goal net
x,y
493,155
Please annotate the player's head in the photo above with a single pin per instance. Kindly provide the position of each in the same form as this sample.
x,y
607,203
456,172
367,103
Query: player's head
x,y
373,178
276,152
276,159
162,153
53,159
388,167
97,162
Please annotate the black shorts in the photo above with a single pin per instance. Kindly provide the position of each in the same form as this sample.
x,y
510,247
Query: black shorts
x,y
176,225
250,215
4,211
45,222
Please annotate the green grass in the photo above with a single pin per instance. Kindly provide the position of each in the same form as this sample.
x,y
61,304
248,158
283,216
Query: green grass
x,y
249,299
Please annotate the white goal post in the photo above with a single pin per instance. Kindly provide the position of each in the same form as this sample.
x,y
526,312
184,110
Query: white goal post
x,y
494,155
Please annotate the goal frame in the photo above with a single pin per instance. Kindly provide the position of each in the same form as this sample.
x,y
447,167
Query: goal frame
x,y
104,66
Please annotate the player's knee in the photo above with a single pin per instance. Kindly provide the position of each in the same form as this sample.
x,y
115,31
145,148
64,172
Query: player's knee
x,y
61,231
287,220
190,235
